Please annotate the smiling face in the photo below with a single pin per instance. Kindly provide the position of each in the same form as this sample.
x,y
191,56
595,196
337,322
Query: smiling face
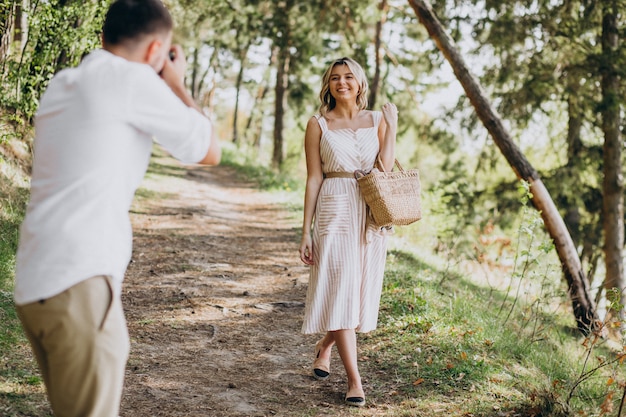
x,y
344,80
343,83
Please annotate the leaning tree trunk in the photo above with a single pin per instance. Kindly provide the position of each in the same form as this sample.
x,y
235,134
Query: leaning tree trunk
x,y
583,305
612,184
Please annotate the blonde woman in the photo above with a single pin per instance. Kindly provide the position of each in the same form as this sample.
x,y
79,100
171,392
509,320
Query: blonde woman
x,y
346,253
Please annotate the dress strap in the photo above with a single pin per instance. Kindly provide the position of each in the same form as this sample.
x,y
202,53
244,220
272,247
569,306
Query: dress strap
x,y
378,116
322,122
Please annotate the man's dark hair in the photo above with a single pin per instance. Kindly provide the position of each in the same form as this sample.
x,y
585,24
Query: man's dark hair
x,y
129,20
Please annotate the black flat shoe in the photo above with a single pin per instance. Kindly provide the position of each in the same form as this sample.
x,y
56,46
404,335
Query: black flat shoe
x,y
321,367
355,401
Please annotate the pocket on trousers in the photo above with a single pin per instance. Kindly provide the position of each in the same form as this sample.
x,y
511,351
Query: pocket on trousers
x,y
109,304
334,214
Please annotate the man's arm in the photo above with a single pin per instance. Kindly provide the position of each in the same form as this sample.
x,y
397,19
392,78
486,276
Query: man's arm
x,y
173,75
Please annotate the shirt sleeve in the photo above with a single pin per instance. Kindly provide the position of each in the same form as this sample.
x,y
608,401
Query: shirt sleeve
x,y
155,110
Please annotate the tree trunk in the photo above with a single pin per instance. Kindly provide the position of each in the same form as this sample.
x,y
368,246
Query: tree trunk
x,y
242,65
612,184
377,41
279,106
258,107
574,148
195,67
583,306
7,22
282,43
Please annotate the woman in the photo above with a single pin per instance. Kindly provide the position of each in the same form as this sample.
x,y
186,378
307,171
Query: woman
x,y
346,253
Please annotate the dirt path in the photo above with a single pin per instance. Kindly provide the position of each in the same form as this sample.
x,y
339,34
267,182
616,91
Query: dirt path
x,y
214,299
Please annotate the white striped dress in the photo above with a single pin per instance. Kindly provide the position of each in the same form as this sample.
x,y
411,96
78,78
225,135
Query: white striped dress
x,y
346,280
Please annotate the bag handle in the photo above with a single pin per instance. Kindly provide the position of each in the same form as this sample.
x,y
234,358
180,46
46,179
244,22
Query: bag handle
x,y
359,173
381,168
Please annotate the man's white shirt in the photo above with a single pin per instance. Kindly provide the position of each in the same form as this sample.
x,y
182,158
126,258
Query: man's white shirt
x,y
93,140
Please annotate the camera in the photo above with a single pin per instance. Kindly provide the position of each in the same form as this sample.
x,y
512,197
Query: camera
x,y
172,55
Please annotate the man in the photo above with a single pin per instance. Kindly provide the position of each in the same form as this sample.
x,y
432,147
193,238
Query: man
x,y
94,131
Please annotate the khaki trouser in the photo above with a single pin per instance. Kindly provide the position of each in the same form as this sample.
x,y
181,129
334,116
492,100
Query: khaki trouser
x,y
80,340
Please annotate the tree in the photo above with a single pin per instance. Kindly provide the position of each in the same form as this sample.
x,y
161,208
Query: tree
x,y
374,85
612,184
58,34
584,308
8,12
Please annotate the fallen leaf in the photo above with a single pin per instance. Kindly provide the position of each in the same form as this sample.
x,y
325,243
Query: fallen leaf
x,y
418,381
607,405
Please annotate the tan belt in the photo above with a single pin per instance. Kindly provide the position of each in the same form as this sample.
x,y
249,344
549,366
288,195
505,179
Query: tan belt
x,y
338,174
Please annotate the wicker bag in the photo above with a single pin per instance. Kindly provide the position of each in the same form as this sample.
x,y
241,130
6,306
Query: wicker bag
x,y
393,198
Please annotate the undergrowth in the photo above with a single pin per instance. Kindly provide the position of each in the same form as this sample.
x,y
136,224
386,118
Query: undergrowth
x,y
21,390
465,346
266,178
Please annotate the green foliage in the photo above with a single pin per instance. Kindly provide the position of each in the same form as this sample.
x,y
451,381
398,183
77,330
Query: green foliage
x,y
11,213
16,366
543,63
250,169
59,34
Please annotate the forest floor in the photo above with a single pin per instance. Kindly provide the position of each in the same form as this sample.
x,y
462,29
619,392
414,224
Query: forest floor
x,y
214,298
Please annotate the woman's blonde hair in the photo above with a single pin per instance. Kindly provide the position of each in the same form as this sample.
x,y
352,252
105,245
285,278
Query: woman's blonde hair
x,y
328,101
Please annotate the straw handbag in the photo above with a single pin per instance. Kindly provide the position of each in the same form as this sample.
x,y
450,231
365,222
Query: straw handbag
x,y
393,198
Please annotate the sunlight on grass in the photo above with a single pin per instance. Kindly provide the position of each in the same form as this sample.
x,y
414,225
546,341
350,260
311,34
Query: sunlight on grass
x,y
450,340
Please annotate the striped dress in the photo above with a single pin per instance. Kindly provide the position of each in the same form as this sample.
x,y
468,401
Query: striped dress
x,y
346,280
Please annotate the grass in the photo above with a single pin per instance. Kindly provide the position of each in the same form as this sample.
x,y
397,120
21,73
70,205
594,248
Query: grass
x,y
21,388
450,352
265,178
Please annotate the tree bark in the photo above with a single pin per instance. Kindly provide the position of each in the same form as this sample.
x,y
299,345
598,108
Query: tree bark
x,y
242,65
612,184
583,305
377,43
7,23
258,106
279,106
574,148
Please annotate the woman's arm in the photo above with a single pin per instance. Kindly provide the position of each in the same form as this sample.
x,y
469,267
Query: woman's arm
x,y
387,135
313,184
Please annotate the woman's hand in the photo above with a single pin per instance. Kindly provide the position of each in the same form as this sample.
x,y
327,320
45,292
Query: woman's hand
x,y
390,113
306,250
387,135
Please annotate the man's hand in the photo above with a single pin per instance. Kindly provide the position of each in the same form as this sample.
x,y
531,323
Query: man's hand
x,y
173,72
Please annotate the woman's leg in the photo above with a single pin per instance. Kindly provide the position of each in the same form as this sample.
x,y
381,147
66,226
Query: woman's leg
x,y
326,345
346,345
321,364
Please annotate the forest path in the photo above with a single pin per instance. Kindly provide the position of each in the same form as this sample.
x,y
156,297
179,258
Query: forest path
x,y
214,298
